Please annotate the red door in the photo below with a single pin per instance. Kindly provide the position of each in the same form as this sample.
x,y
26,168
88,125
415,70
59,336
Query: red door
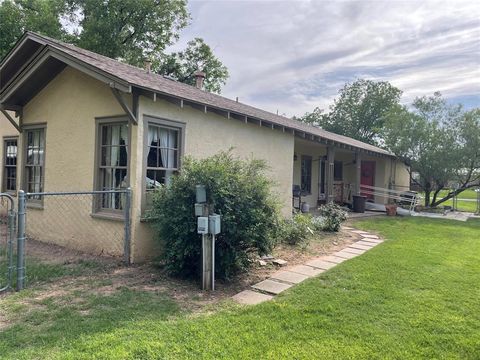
x,y
367,177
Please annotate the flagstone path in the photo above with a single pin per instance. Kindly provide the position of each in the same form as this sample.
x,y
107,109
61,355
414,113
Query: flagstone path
x,y
286,278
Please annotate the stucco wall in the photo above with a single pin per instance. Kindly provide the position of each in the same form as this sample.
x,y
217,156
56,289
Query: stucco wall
x,y
68,106
402,176
206,135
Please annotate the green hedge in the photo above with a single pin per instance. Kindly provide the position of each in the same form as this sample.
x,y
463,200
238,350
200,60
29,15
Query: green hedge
x,y
239,191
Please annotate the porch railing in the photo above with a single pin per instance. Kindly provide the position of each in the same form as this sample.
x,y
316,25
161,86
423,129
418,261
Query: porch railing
x,y
407,199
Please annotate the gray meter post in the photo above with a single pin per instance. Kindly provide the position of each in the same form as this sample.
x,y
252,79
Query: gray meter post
x,y
214,229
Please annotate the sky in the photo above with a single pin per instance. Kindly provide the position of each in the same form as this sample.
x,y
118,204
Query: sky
x,y
292,56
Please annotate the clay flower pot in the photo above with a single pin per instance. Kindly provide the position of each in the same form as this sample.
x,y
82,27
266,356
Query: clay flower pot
x,y
391,210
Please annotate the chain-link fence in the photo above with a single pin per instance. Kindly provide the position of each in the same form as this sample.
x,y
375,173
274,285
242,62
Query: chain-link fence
x,y
7,241
64,229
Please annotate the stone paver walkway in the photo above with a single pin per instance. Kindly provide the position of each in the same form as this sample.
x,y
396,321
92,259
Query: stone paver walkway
x,y
288,277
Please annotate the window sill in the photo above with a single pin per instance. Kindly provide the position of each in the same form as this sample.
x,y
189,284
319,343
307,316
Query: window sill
x,y
108,216
32,205
145,219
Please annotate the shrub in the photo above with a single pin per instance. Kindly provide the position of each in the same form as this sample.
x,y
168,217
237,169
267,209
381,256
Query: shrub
x,y
239,191
297,230
333,216
318,224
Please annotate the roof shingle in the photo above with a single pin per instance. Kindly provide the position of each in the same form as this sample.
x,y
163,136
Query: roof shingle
x,y
157,83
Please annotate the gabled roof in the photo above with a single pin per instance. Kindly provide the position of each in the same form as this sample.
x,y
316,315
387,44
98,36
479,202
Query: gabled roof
x,y
128,78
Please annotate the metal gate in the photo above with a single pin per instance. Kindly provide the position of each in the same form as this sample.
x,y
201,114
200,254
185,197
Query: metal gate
x,y
7,238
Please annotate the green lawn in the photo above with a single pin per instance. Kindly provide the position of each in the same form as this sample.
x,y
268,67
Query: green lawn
x,y
469,206
415,296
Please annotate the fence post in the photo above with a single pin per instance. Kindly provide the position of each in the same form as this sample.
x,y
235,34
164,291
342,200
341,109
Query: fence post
x,y
11,234
127,226
21,241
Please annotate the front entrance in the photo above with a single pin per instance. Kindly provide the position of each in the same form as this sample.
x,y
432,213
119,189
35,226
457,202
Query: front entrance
x,y
367,177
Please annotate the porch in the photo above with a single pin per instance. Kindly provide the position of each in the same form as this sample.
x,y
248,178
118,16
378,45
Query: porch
x,y
323,173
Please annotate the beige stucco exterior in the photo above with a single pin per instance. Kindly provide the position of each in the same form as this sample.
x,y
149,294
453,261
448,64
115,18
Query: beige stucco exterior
x,y
206,134
70,106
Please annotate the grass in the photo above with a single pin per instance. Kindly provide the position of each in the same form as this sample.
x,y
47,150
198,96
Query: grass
x,y
41,271
414,296
469,206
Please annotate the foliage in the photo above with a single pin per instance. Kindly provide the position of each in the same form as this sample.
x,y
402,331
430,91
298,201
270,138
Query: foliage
x,y
297,230
197,56
359,112
131,30
333,216
239,191
18,16
128,30
440,143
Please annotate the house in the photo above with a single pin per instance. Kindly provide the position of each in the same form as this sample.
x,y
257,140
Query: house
x,y
97,123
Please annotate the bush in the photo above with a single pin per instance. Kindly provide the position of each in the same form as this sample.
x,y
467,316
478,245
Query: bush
x,y
239,191
297,230
333,216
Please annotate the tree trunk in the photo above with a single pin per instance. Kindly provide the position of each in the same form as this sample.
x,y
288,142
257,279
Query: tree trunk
x,y
434,199
451,194
427,198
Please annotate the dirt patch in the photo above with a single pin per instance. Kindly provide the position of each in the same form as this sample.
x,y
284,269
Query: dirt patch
x,y
53,254
111,276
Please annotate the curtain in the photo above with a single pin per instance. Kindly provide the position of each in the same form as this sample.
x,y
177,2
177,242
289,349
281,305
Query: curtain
x,y
166,155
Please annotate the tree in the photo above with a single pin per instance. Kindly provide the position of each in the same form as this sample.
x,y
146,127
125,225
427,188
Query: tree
x,y
197,56
360,110
314,118
438,141
130,30
127,30
42,16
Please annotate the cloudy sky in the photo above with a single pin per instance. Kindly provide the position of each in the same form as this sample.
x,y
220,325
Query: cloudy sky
x,y
292,56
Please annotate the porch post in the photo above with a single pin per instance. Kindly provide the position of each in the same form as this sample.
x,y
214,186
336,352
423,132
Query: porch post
x,y
329,172
358,171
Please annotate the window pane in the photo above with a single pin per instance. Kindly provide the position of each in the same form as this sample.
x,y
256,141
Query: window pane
x,y
113,161
35,155
162,158
173,141
306,174
172,159
122,156
152,157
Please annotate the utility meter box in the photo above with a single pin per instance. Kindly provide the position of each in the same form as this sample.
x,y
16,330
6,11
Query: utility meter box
x,y
201,194
202,225
214,224
201,209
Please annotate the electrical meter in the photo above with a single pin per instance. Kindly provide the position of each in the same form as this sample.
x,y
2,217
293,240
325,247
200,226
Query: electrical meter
x,y
214,224
201,193
202,225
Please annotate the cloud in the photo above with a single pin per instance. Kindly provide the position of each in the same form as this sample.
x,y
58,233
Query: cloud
x,y
292,56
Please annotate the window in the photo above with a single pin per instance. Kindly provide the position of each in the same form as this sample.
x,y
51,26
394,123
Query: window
x,y
34,161
10,165
112,152
163,157
306,173
337,171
